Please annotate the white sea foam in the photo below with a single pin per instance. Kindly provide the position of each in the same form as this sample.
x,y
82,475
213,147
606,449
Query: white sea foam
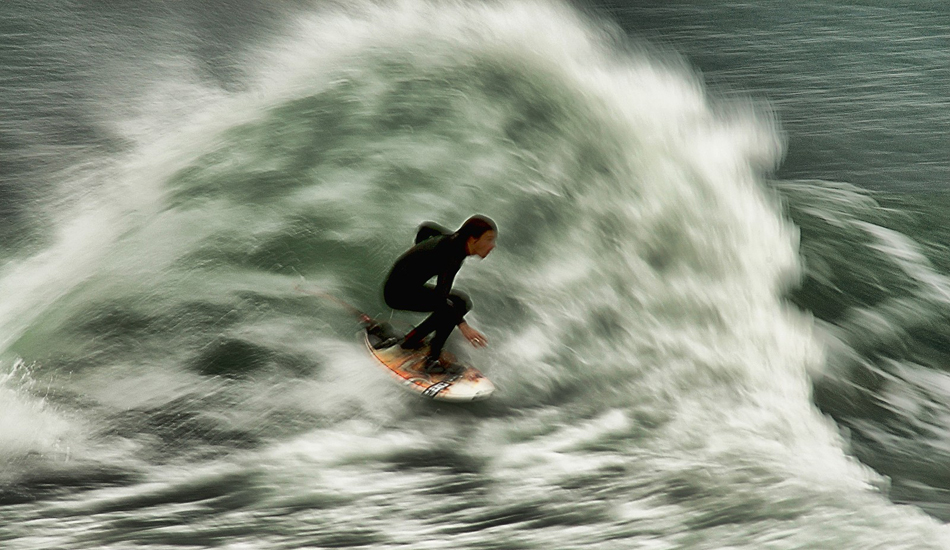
x,y
28,425
634,303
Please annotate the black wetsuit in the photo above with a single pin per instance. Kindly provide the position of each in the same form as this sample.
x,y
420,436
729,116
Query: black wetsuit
x,y
407,288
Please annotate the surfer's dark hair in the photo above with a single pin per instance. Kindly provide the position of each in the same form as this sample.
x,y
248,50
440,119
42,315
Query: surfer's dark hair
x,y
476,226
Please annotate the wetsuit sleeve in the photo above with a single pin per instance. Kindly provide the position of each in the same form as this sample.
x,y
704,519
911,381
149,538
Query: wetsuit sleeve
x,y
450,261
443,284
456,301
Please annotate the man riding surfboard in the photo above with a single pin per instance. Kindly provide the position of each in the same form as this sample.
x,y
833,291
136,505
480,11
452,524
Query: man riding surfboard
x,y
437,253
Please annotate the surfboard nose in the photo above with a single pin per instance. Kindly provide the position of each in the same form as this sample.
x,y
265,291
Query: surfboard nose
x,y
471,390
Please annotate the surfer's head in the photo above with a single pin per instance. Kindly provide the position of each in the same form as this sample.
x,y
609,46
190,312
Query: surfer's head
x,y
479,233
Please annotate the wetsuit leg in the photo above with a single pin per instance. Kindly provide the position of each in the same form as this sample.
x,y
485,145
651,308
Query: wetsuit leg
x,y
447,313
442,321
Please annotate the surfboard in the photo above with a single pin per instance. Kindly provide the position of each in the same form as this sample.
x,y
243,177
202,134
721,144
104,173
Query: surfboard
x,y
459,382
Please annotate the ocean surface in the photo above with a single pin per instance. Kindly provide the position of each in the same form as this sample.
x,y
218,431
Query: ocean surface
x,y
718,312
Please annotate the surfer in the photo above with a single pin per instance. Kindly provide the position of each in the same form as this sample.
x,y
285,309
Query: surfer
x,y
437,253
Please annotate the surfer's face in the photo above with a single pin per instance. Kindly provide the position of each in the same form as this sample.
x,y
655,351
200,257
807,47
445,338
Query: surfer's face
x,y
483,245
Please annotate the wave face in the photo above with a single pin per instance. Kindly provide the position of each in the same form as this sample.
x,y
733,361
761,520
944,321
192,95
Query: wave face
x,y
164,383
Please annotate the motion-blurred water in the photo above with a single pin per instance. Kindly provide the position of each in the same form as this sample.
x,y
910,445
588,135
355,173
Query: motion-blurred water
x,y
717,309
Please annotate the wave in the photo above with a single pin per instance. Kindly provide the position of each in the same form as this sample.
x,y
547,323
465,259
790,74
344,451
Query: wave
x,y
636,300
881,302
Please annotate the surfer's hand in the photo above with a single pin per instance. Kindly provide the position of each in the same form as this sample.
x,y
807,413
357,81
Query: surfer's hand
x,y
476,338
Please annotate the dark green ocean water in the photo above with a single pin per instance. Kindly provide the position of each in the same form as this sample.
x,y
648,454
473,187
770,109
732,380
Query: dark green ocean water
x,y
718,308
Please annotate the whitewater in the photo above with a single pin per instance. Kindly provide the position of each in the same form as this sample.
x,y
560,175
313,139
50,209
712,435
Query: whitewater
x,y
164,385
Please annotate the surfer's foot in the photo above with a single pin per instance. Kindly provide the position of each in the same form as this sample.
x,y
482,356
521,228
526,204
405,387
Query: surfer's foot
x,y
433,365
388,342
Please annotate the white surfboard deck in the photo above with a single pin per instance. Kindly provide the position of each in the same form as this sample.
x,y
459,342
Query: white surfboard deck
x,y
460,382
